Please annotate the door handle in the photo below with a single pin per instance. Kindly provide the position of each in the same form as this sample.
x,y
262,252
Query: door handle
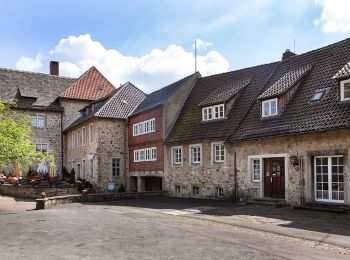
x,y
271,179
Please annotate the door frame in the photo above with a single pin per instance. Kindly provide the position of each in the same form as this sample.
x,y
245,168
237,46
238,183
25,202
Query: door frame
x,y
286,168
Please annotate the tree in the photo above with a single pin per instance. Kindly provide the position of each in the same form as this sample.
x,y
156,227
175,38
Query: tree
x,y
15,143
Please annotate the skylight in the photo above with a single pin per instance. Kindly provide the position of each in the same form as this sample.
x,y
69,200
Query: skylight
x,y
319,93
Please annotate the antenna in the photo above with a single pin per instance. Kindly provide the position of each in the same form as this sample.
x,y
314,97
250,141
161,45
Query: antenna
x,y
195,55
294,45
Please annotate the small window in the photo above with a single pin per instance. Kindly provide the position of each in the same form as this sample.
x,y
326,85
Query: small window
x,y
147,154
256,169
41,148
41,122
318,95
219,192
136,156
153,153
213,112
345,90
142,155
115,167
219,153
152,125
177,189
269,107
195,152
177,155
91,134
195,190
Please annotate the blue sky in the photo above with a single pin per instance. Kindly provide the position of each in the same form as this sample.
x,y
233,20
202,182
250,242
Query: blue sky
x,y
150,42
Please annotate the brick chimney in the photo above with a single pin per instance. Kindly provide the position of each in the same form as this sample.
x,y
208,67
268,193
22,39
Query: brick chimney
x,y
54,68
287,55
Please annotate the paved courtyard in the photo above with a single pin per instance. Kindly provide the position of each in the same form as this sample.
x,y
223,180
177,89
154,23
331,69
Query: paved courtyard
x,y
168,229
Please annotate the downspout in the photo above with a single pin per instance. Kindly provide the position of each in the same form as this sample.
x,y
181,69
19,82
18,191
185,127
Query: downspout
x,y
235,174
126,149
62,153
302,181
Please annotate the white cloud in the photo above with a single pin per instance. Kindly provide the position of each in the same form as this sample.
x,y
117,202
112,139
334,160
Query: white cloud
x,y
335,16
29,64
151,71
203,44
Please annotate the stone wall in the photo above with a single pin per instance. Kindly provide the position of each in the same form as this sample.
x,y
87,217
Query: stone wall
x,y
34,192
304,147
207,176
71,109
109,141
50,134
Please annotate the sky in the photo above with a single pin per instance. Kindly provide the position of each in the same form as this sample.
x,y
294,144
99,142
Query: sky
x,y
151,43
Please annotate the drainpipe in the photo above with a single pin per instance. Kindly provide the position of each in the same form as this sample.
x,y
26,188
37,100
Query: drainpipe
x,y
235,175
302,181
126,151
62,153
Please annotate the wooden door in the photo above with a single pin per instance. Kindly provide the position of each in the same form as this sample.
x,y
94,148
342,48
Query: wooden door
x,y
274,181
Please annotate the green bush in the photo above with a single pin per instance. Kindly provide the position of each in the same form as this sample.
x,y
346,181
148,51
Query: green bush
x,y
72,176
65,174
121,188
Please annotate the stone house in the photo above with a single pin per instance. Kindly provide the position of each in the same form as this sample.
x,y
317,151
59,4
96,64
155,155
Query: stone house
x,y
285,136
36,95
97,141
148,126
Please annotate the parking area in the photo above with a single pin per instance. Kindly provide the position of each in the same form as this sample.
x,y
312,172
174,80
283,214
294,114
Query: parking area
x,y
159,228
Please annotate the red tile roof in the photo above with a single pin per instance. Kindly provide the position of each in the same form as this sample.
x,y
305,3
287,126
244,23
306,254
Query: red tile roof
x,y
92,85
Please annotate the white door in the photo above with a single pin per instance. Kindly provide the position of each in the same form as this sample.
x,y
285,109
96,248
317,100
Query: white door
x,y
329,178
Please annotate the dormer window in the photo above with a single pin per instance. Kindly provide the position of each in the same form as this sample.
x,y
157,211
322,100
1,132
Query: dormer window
x,y
345,90
269,107
213,112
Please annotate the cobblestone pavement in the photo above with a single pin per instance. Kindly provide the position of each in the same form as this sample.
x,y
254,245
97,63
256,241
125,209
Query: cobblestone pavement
x,y
146,229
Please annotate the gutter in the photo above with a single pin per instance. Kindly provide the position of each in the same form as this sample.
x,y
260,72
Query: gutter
x,y
62,153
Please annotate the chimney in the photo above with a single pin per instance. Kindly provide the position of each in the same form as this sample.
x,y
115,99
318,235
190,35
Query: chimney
x,y
287,55
54,68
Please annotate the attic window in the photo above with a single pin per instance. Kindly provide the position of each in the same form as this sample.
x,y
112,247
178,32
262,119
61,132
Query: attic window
x,y
213,112
318,94
269,107
345,90
100,87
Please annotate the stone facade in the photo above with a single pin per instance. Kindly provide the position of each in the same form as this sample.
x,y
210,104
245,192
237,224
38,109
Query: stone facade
x,y
93,160
71,109
207,176
50,134
299,178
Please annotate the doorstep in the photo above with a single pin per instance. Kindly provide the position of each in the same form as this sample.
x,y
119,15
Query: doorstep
x,y
328,207
277,203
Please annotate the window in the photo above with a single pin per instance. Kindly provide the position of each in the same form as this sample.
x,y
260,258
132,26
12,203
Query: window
x,y
41,148
213,112
218,151
195,153
84,136
345,90
329,178
92,168
91,134
147,154
177,189
177,155
115,167
144,127
38,121
255,169
269,107
153,154
318,94
219,192
195,190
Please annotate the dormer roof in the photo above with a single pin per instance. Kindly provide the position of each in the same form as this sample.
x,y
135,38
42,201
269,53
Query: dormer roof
x,y
225,92
344,73
286,82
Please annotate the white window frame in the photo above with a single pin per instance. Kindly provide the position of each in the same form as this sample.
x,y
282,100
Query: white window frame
x,y
251,169
144,127
36,118
173,155
153,153
213,152
191,162
330,171
209,113
41,147
116,167
147,154
342,90
197,189
269,101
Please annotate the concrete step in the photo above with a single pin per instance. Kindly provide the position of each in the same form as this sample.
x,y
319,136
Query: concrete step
x,y
335,208
277,203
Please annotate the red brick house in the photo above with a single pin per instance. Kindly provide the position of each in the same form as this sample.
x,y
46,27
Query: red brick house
x,y
148,126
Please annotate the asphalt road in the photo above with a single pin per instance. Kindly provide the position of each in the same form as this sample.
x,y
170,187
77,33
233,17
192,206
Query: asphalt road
x,y
122,231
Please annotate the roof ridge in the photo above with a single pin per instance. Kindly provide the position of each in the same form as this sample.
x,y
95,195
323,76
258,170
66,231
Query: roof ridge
x,y
37,73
